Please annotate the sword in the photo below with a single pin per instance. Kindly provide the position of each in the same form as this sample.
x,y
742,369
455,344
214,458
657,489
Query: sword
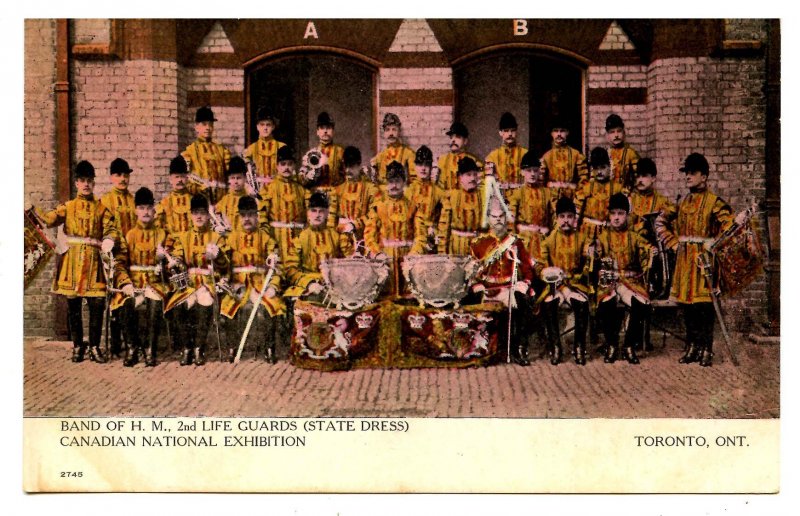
x,y
215,315
704,262
513,252
272,261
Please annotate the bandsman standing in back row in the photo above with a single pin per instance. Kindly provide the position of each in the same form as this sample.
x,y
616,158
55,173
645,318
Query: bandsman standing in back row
x,y
566,167
395,150
504,162
207,160
264,151
690,228
449,163
623,156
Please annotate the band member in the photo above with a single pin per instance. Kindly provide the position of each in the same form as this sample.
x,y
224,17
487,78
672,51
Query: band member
x,y
505,276
566,167
391,228
427,197
79,272
506,160
395,150
625,259
645,199
623,156
533,206
689,229
203,254
228,206
172,213
449,163
264,151
355,196
120,202
591,200
462,210
331,173
143,288
284,203
567,248
315,243
207,160
254,252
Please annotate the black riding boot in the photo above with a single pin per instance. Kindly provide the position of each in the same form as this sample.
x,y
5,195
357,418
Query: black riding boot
x,y
581,311
75,322
608,317
97,306
550,313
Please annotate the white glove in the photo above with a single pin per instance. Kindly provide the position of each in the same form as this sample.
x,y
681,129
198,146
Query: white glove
x,y
314,288
521,287
741,218
108,245
348,227
478,288
270,293
161,253
212,250
128,290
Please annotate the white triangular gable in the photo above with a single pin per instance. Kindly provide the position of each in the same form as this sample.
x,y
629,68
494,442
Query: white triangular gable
x,y
616,39
415,36
215,42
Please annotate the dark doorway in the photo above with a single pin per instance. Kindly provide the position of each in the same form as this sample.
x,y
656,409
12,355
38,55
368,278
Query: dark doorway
x,y
534,88
298,88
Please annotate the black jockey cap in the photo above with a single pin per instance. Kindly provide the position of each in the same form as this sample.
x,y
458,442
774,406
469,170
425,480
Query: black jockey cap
x,y
395,170
614,121
120,166
84,169
204,114
319,200
645,167
558,122
352,156
529,160
143,197
285,154
390,119
236,166
247,203
424,156
565,205
619,201
507,121
178,166
198,202
264,113
324,119
598,158
467,165
458,129
695,162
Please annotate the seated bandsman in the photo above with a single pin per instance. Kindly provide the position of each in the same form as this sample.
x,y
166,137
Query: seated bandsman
x,y
207,160
90,231
253,254
591,200
625,258
314,244
505,161
143,287
566,167
505,275
449,163
228,206
426,196
395,150
264,151
284,203
532,206
391,227
462,211
355,195
203,254
566,249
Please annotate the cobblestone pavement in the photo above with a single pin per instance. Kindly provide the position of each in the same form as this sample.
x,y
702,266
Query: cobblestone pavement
x,y
659,387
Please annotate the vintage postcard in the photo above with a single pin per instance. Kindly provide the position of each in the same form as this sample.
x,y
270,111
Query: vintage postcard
x,y
402,255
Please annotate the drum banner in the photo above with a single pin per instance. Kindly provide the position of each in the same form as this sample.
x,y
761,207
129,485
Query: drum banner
x,y
740,258
38,248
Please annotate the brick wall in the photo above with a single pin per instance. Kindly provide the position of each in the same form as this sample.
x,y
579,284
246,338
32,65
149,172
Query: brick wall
x,y
634,115
40,159
715,107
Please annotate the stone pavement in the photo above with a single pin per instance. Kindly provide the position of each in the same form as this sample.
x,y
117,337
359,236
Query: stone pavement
x,y
658,387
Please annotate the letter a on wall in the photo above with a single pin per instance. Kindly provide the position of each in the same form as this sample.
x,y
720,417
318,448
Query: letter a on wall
x,y
311,31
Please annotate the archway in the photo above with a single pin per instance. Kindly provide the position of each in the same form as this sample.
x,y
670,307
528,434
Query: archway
x,y
298,86
535,87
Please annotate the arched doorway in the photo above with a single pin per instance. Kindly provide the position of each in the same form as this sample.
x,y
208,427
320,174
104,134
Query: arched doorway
x,y
297,87
532,86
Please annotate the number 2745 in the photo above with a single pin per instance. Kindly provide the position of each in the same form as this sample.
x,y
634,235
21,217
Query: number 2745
x,y
71,474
